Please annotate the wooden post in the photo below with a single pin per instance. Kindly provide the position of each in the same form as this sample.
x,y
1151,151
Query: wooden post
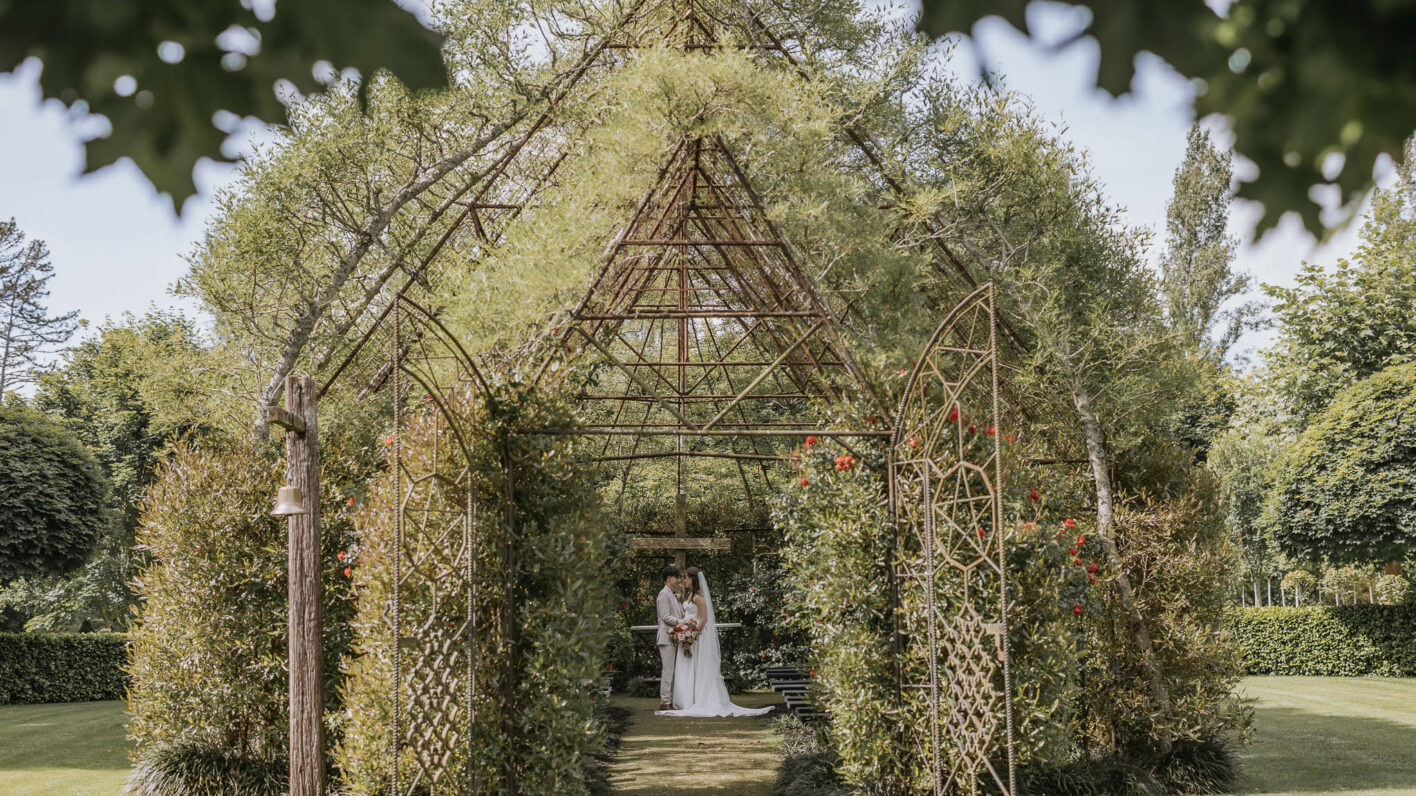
x,y
306,601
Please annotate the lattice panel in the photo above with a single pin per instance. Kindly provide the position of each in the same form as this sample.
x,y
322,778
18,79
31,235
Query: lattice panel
x,y
945,481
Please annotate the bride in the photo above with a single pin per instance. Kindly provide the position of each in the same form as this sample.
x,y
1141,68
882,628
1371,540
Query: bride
x,y
698,680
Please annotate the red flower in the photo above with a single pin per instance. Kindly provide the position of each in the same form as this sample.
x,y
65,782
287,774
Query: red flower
x,y
753,590
809,442
1091,579
1077,609
903,371
346,572
844,462
609,667
1010,438
804,482
870,419
1077,562
351,501
1093,568
973,429
991,431
914,443
388,440
953,414
1069,522
339,555
1071,551
1081,540
811,673
1034,495
981,532
624,606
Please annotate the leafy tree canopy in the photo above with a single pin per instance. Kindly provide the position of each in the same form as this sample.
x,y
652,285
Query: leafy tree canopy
x,y
172,76
53,498
1346,491
1299,81
1338,328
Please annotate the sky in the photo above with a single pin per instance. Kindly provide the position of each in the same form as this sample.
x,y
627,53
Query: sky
x,y
117,246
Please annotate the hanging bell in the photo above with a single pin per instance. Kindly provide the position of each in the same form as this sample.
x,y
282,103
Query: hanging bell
x,y
288,502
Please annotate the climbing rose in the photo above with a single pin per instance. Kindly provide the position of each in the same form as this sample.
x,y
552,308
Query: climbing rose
x,y
1077,609
1093,568
1077,562
1069,522
351,501
339,555
1010,438
388,440
914,443
1081,540
991,431
870,419
1071,551
809,442
981,532
1091,579
973,429
1034,495
953,414
804,482
346,572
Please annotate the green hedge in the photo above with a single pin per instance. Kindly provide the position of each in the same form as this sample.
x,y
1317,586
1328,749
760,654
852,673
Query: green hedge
x,y
1340,641
62,667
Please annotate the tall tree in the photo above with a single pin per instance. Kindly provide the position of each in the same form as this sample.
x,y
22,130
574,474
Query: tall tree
x,y
28,329
1337,328
1197,269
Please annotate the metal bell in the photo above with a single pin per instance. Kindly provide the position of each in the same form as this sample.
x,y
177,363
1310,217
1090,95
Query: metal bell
x,y
288,502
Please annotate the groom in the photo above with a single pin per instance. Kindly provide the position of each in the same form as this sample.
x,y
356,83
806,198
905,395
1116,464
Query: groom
x,y
670,612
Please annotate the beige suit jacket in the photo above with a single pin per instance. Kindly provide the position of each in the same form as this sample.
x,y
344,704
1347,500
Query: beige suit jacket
x,y
670,612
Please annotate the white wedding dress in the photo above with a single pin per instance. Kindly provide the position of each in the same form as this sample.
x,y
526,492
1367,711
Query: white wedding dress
x,y
699,689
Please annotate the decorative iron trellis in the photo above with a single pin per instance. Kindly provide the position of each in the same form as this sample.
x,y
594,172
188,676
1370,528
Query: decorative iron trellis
x,y
950,575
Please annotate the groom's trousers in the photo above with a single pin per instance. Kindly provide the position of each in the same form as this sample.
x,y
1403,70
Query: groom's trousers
x,y
666,679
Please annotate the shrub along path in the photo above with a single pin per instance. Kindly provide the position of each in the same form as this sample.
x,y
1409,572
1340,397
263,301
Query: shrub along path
x,y
661,756
75,748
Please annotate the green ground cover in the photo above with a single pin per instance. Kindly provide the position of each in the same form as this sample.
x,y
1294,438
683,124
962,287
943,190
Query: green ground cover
x,y
1317,736
73,749
1332,736
661,756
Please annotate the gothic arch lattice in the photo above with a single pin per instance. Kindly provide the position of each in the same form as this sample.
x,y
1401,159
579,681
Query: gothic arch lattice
x,y
950,571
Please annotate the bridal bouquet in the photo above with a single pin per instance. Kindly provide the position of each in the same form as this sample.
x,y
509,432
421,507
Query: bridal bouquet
x,y
684,634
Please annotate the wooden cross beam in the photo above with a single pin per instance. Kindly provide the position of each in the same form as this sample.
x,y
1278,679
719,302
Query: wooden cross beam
x,y
680,543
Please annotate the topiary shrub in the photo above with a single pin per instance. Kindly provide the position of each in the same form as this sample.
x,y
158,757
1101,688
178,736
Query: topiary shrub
x,y
1327,640
62,667
53,497
544,611
209,646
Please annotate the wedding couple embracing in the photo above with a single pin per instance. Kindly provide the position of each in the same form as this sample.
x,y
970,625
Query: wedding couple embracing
x,y
692,683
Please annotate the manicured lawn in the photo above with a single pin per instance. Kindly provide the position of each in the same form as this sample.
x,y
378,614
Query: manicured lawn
x,y
1316,736
1332,736
58,750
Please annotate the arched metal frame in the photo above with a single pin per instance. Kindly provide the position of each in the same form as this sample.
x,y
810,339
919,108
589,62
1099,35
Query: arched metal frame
x,y
950,570
435,639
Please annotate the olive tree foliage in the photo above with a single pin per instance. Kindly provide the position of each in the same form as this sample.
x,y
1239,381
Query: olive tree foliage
x,y
326,221
1007,198
171,76
1298,81
1346,490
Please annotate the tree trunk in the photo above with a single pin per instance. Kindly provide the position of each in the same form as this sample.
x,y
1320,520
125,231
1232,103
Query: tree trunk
x,y
1105,517
1282,595
1257,602
1268,585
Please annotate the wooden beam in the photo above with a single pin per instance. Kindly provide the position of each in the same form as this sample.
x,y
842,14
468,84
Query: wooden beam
x,y
306,601
680,543
284,418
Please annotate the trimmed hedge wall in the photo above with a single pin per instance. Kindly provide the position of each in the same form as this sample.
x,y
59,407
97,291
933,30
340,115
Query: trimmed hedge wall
x,y
62,667
1340,641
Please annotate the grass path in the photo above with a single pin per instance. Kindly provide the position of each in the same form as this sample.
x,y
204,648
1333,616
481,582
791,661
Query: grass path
x,y
1325,736
661,756
75,749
